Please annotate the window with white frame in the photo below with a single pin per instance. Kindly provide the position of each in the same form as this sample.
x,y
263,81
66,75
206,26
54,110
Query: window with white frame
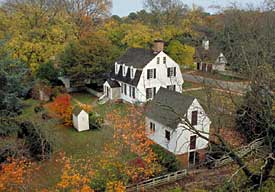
x,y
124,70
171,72
151,74
171,87
133,92
158,60
116,68
150,93
152,127
132,72
164,60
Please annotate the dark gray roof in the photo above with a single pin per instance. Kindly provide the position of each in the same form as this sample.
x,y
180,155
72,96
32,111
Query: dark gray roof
x,y
207,56
77,110
136,57
127,79
113,83
169,107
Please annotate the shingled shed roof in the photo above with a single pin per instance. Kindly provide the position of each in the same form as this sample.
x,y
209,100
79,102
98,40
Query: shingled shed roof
x,y
113,83
137,57
169,107
77,110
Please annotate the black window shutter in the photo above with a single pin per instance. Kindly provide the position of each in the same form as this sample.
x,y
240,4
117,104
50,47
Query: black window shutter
x,y
134,92
148,74
175,71
168,72
155,73
194,120
193,142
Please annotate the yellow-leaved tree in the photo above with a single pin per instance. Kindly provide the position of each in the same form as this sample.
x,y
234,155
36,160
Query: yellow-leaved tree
x,y
182,54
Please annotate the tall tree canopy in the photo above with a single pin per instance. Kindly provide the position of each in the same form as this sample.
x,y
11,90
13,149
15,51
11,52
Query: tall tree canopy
x,y
87,58
13,86
39,30
166,12
182,54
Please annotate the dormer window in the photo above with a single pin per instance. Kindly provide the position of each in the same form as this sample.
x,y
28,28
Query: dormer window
x,y
124,69
132,72
116,68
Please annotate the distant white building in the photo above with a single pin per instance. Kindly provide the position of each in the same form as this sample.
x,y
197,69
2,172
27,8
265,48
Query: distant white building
x,y
209,59
139,73
167,119
80,119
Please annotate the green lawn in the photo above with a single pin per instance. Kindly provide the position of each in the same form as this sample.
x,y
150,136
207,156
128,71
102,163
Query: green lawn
x,y
88,145
190,85
28,108
84,97
227,77
80,146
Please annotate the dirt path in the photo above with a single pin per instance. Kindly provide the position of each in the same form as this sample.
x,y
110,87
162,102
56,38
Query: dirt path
x,y
216,89
238,87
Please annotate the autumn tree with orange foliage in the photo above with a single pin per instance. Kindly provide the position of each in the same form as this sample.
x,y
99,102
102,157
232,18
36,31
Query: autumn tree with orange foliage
x,y
129,130
85,107
61,108
13,175
76,176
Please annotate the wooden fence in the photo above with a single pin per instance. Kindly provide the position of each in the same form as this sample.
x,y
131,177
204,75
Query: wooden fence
x,y
243,151
157,181
172,177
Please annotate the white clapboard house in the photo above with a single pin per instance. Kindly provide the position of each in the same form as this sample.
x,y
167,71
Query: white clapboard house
x,y
167,118
139,73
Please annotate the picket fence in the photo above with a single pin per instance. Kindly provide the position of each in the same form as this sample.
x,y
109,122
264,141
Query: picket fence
x,y
157,181
243,151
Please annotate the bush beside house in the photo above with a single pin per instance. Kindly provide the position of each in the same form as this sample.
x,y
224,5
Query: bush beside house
x,y
166,159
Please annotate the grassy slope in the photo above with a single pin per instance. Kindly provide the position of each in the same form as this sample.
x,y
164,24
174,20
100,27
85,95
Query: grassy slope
x,y
85,145
89,144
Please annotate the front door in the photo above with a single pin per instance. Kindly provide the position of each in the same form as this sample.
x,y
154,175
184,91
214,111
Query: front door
x,y
198,66
204,67
193,158
108,92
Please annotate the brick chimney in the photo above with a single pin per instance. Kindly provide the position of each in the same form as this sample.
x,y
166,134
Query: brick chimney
x,y
158,46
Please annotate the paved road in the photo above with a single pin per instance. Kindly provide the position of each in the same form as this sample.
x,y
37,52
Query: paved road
x,y
239,87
